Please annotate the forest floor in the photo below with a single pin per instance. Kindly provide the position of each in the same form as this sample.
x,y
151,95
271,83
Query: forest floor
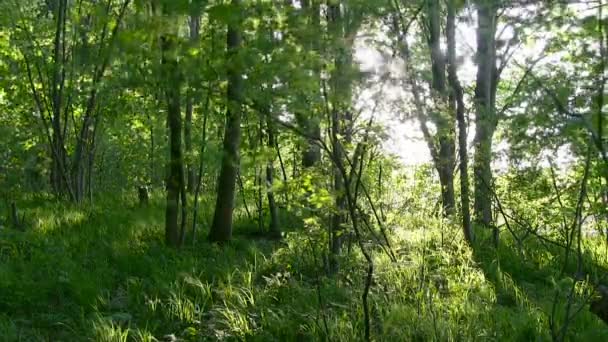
x,y
103,273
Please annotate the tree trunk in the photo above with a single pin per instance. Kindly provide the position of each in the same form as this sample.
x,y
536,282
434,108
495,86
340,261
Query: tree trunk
x,y
200,168
188,145
174,121
341,126
338,218
15,221
485,117
77,178
444,122
58,161
194,34
221,228
71,177
457,105
83,143
274,229
152,165
59,180
311,154
259,176
91,150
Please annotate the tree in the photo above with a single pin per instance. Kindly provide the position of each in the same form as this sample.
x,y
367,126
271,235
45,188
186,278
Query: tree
x,y
341,25
311,154
485,116
57,94
443,155
175,177
221,228
275,229
194,26
457,107
441,143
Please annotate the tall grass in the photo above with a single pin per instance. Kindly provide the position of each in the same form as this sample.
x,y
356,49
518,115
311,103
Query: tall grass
x,y
102,273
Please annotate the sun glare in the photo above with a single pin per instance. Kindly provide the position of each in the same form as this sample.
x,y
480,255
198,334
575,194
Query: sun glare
x,y
397,114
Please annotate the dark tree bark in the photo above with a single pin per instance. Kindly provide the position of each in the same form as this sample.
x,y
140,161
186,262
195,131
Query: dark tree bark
x,y
485,117
16,221
275,228
174,120
59,175
221,228
457,106
143,195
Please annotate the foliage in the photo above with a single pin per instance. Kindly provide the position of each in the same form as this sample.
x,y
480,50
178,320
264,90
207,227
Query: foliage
x,y
93,95
103,273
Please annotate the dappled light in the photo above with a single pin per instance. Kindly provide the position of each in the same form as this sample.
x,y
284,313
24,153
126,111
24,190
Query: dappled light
x,y
303,170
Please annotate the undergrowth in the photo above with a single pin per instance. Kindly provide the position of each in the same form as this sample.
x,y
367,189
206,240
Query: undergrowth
x,y
103,273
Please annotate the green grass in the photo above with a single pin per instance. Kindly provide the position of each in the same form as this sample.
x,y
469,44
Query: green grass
x,y
102,273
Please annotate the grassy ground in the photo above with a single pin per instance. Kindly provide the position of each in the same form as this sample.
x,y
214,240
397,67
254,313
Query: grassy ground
x,y
102,273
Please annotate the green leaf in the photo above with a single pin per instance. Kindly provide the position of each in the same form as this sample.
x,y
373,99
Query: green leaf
x,y
223,13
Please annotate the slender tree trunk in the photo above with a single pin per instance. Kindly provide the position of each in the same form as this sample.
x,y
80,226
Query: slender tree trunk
x,y
174,121
184,200
239,180
188,144
311,154
59,161
194,34
56,102
91,152
151,166
446,175
341,126
59,181
85,139
221,228
259,176
283,171
90,166
275,229
457,106
200,168
485,117
443,121
338,219
78,163
351,210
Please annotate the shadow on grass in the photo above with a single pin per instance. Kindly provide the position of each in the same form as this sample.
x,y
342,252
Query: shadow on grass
x,y
528,278
78,271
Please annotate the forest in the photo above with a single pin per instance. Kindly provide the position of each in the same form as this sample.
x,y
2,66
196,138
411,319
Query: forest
x,y
303,170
